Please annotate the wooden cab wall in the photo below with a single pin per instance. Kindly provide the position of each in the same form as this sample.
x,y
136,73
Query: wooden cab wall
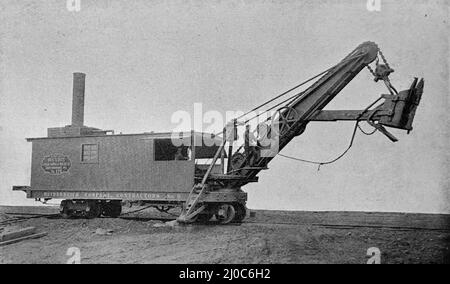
x,y
109,165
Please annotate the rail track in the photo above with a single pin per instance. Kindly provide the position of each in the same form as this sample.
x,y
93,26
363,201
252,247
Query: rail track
x,y
14,220
350,226
127,216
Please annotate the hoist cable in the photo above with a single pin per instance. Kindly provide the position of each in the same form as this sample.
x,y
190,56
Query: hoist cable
x,y
346,150
367,133
292,98
298,86
327,162
288,91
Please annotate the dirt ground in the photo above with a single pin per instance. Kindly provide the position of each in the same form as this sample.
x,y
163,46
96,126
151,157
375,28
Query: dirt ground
x,y
269,237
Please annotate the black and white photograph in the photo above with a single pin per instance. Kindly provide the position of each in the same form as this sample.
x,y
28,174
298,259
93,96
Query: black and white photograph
x,y
224,137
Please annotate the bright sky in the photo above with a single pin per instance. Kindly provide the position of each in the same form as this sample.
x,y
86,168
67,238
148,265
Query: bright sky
x,y
145,60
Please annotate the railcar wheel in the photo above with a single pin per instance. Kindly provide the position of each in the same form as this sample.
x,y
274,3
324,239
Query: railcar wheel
x,y
93,210
241,212
64,210
225,213
66,214
112,209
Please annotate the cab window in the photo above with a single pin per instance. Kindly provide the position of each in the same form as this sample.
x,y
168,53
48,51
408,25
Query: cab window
x,y
165,150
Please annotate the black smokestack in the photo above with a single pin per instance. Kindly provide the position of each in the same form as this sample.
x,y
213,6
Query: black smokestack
x,y
78,99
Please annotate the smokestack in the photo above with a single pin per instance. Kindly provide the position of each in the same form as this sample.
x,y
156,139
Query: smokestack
x,y
78,99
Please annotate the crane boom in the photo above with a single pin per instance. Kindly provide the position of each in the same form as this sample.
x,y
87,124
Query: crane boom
x,y
325,89
290,120
300,111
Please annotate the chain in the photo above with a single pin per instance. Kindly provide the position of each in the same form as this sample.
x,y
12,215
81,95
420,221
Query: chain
x,y
385,63
382,72
371,70
384,60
